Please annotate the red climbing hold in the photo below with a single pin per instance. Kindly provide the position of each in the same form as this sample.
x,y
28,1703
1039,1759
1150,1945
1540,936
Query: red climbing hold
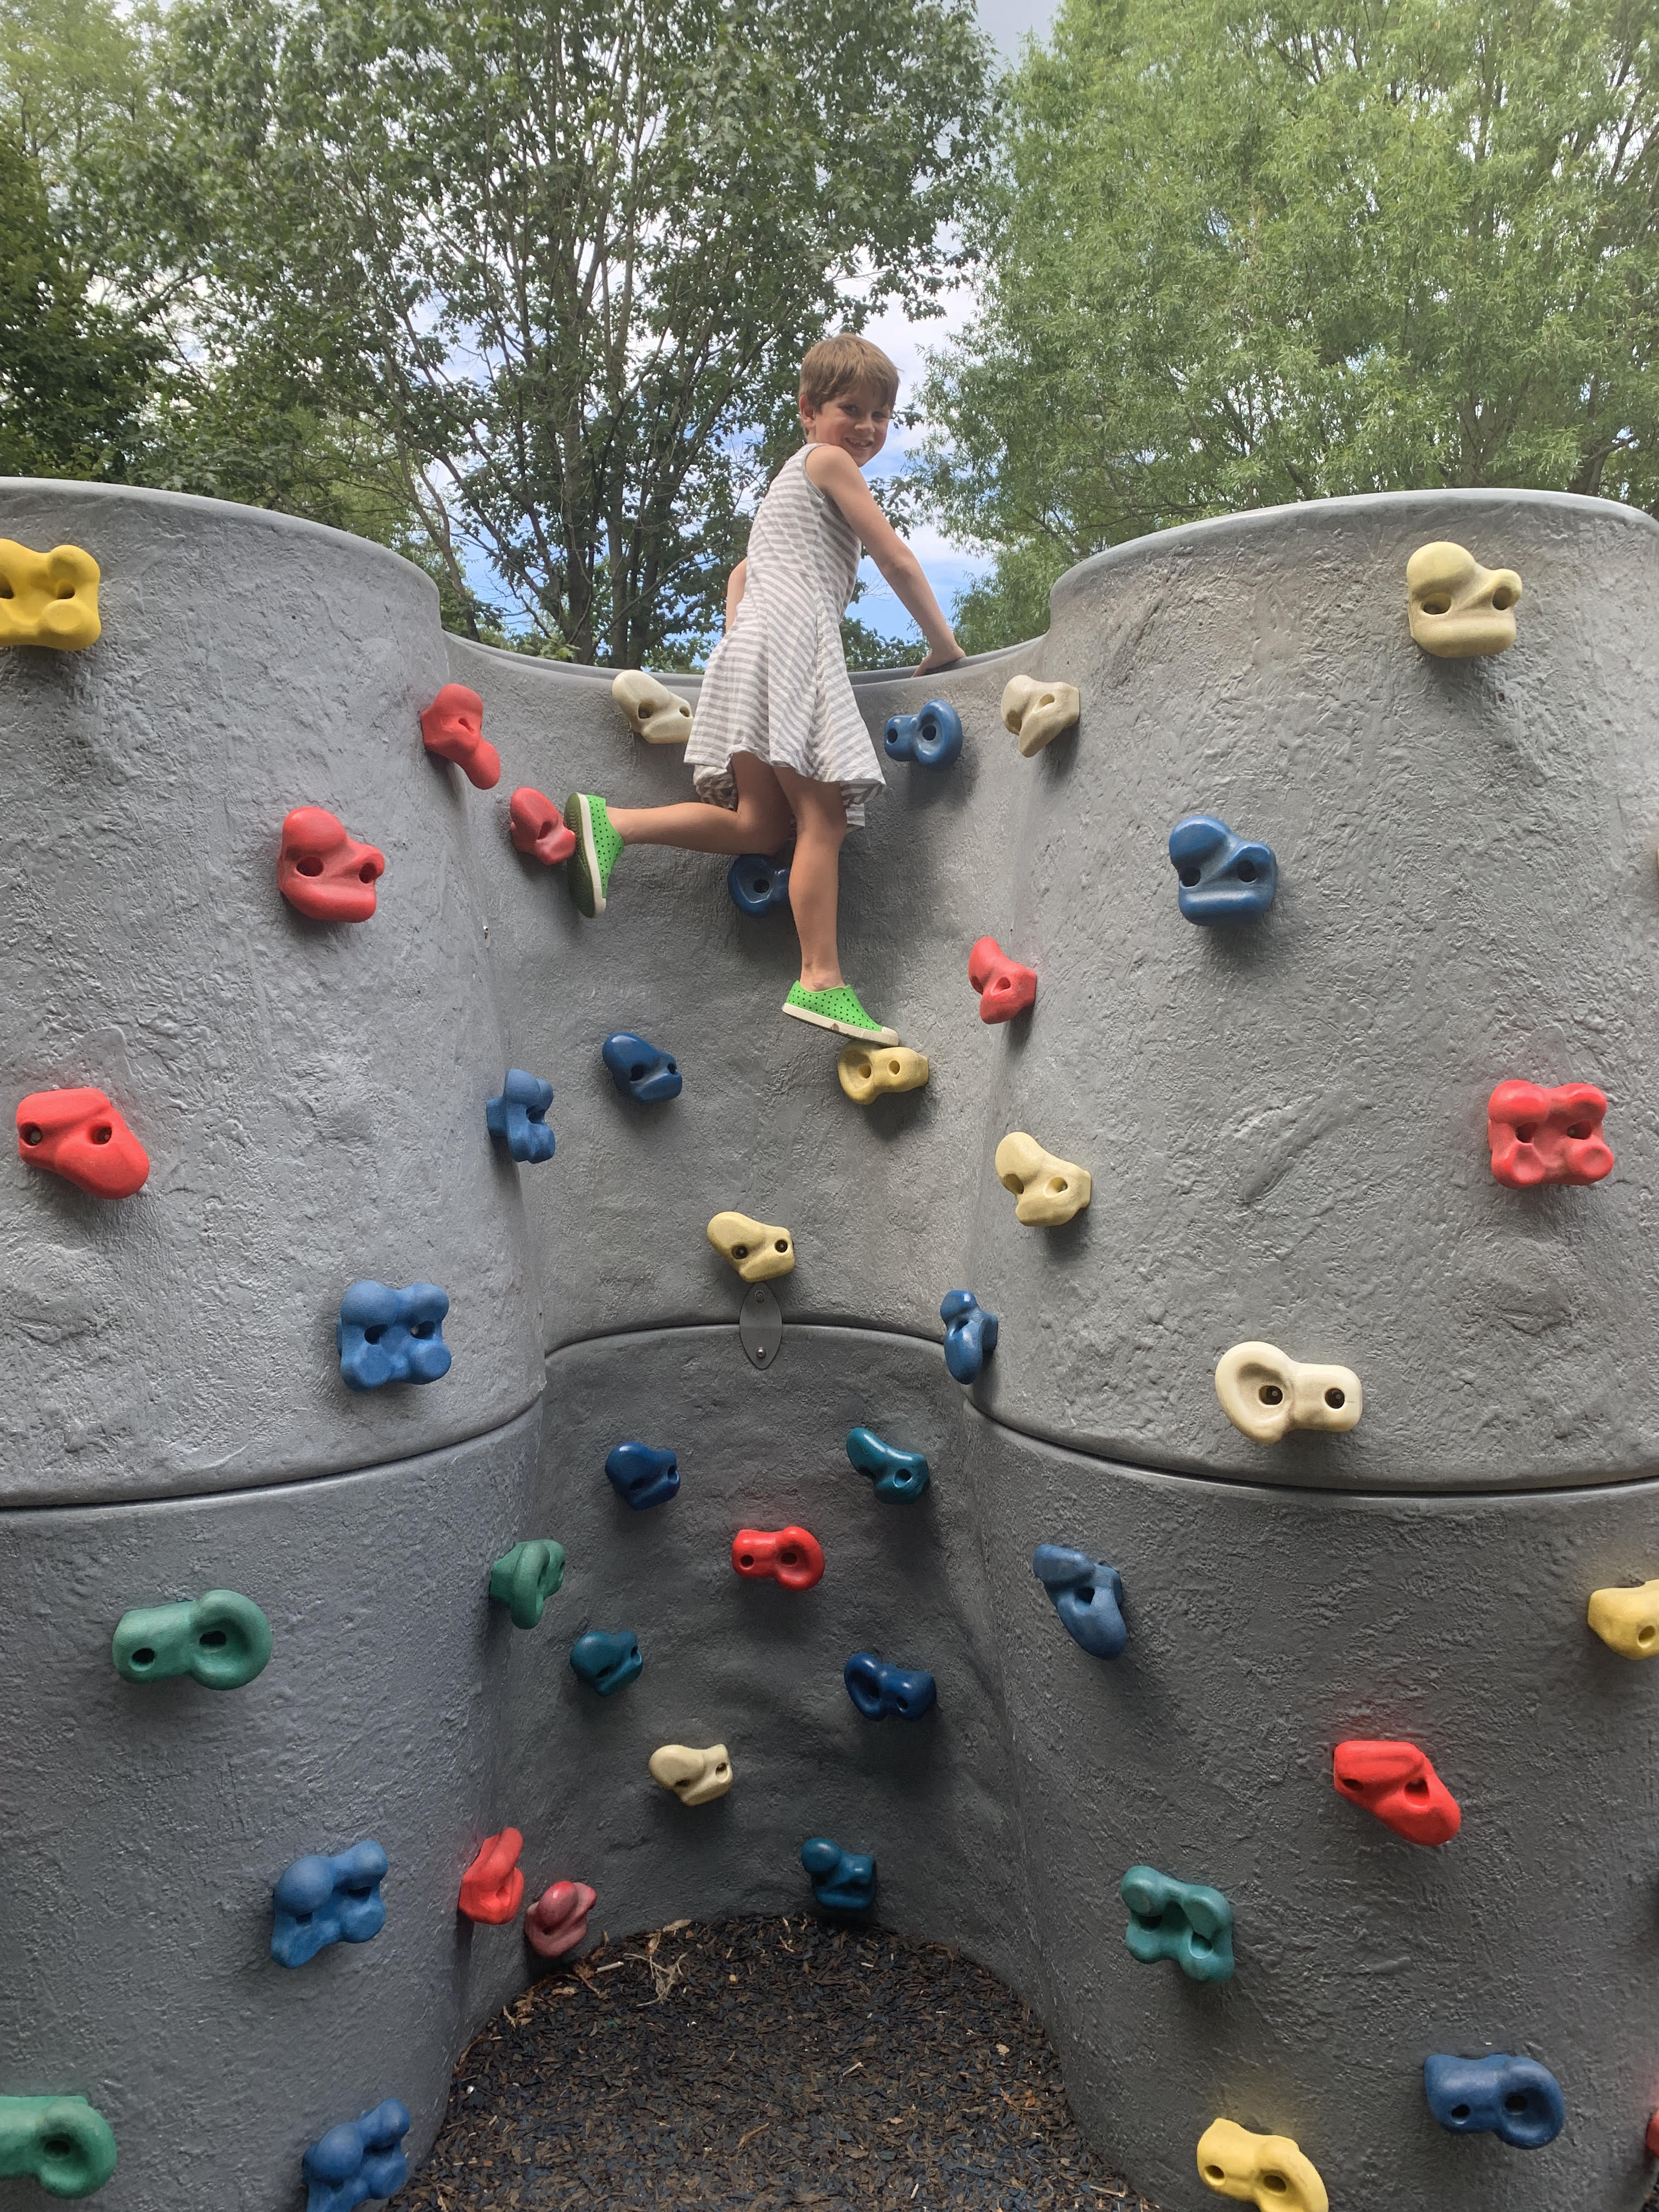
x,y
793,1556
1547,1136
1005,987
557,1921
1653,2137
538,827
492,1889
1398,1782
322,870
79,1136
452,728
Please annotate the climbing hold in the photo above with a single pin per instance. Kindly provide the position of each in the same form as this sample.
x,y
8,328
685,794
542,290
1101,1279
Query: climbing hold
x,y
452,728
48,598
970,1334
695,1776
868,1072
1185,1921
1457,610
391,1336
1548,1136
1265,2171
1050,1191
655,713
1627,1620
320,1901
758,884
1222,878
642,1475
640,1071
606,1662
519,1115
793,1556
760,1325
62,2142
932,737
881,1690
896,1473
1515,2099
756,1249
525,1579
79,1136
1037,713
492,1889
323,872
1651,2139
221,1640
1264,1393
1397,1783
538,827
1005,987
1087,1596
557,1921
842,1882
359,2161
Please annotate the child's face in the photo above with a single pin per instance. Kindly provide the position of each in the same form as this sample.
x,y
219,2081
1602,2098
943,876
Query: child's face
x,y
855,421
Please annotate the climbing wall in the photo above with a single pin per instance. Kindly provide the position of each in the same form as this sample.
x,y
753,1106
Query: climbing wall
x,y
1285,1119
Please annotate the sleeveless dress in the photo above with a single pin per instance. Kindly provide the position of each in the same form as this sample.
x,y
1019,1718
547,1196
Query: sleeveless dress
x,y
776,684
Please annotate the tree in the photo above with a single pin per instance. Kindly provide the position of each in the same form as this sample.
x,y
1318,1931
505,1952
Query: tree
x,y
564,255
1239,256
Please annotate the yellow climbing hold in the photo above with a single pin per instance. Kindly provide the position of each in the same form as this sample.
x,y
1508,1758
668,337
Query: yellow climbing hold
x,y
1049,1190
1457,610
1037,713
868,1072
757,1250
48,598
658,715
695,1776
1627,1620
1265,1392
1268,2171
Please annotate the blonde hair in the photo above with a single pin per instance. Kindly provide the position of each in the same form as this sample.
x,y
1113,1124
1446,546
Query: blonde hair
x,y
846,363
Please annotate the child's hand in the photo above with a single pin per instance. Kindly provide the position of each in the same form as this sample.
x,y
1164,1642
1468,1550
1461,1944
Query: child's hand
x,y
942,656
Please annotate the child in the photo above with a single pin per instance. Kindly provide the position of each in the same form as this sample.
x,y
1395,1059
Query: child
x,y
777,732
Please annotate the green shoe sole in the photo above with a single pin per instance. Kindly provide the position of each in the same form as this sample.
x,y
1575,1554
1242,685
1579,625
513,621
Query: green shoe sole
x,y
837,1010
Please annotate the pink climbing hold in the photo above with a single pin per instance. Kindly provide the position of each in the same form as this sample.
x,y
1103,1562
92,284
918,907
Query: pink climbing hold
x,y
1538,1135
557,1921
1005,987
79,1136
323,872
538,827
1397,1783
452,728
492,1889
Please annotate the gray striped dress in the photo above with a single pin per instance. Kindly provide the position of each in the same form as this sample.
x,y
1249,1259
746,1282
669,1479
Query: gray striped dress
x,y
776,684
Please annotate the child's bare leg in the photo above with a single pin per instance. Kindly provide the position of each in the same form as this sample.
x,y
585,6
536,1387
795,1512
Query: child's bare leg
x,y
815,874
760,823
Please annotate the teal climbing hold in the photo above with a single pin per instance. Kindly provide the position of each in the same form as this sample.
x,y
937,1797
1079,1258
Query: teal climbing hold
x,y
1179,1920
62,2142
896,1473
221,1640
525,1579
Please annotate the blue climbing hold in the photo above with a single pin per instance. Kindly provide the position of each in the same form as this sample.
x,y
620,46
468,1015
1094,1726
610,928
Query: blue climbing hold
x,y
882,1691
896,1473
970,1334
932,737
842,1882
1185,1921
320,1901
643,1474
758,884
391,1336
1222,878
1087,1596
519,1114
1515,2099
358,2161
640,1071
606,1662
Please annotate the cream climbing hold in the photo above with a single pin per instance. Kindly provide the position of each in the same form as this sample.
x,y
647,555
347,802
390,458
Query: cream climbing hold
x,y
695,1776
1264,1393
48,598
1268,2171
1037,713
1627,1620
658,715
1049,1190
1459,610
869,1071
757,1250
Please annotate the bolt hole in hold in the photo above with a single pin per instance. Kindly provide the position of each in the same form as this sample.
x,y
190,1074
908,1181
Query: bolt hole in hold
x,y
374,1333
1416,1788
1276,2182
1516,2104
1440,604
1578,1130
1502,596
102,1134
59,2147
33,1134
741,1251
1526,1131
144,1658
1459,2112
309,865
368,873
213,1639
1335,1399
1215,2173
781,1244
1245,872
1191,877
1271,1394
1647,1637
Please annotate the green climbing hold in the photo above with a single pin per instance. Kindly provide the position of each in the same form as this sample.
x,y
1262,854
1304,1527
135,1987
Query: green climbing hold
x,y
1186,1920
62,2142
526,1577
221,1639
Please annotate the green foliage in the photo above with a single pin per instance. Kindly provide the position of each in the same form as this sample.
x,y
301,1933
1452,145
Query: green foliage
x,y
1244,256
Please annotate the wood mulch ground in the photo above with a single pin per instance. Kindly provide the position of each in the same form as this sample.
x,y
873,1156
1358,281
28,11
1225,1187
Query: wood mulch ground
x,y
764,2063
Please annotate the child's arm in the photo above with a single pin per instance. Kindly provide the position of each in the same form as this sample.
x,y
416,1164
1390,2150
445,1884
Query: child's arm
x,y
736,584
837,474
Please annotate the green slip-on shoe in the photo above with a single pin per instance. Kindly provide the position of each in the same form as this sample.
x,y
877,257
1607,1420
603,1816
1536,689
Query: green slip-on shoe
x,y
838,1009
597,849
